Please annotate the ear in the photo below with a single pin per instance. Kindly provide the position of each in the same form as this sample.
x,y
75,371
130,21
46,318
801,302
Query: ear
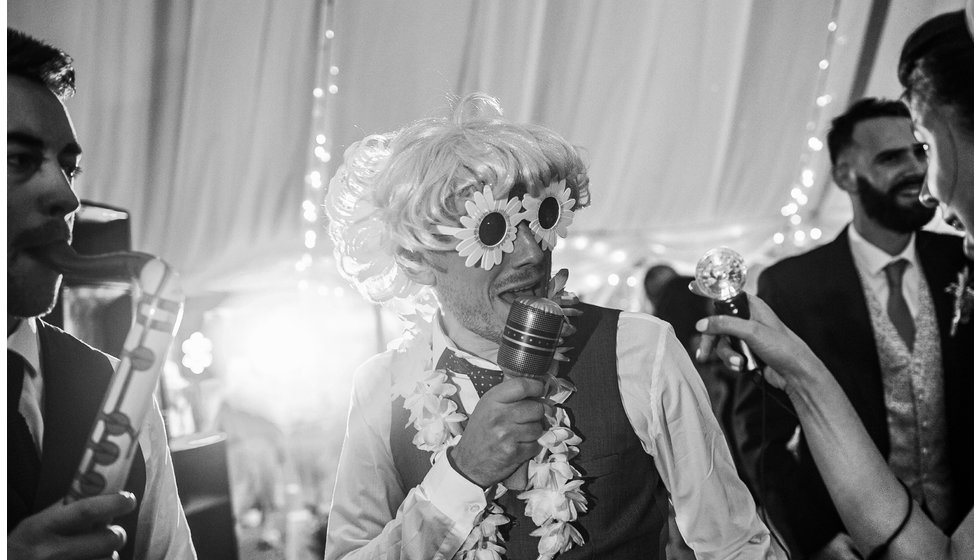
x,y
844,176
422,273
422,276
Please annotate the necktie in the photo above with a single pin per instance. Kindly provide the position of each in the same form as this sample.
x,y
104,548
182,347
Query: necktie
x,y
898,309
483,379
19,439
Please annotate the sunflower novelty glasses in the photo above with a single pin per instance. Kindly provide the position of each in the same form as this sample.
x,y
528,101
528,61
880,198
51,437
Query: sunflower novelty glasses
x,y
490,226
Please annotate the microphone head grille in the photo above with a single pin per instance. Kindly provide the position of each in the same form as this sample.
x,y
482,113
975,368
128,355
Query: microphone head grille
x,y
530,337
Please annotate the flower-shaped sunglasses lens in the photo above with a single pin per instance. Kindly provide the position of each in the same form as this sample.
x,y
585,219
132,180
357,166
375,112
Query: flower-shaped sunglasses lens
x,y
549,215
493,229
488,230
549,212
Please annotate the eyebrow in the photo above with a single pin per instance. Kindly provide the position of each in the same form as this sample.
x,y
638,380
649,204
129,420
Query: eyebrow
x,y
25,139
31,141
888,154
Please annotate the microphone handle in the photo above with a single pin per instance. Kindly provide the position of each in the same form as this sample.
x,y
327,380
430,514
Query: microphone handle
x,y
738,306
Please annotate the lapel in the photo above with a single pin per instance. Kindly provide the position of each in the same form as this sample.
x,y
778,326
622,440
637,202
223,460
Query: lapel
x,y
585,325
939,270
74,385
843,283
858,368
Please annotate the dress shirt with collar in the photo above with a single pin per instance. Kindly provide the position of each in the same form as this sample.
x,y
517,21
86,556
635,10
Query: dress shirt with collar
x,y
871,261
24,341
162,530
665,401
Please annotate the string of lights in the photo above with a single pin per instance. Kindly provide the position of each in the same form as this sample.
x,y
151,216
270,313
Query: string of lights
x,y
797,233
798,230
324,95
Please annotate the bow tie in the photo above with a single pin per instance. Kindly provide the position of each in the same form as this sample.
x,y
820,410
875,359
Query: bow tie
x,y
483,379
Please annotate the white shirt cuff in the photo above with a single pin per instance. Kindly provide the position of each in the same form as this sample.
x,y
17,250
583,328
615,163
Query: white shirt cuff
x,y
453,495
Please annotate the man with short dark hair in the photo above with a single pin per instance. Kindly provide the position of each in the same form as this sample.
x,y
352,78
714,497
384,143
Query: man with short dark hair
x,y
55,383
873,306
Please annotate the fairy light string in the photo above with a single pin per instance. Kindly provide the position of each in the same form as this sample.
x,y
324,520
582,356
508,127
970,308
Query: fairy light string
x,y
799,231
321,143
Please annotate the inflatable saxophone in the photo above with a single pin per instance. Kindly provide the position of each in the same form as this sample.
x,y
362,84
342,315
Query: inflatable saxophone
x,y
159,299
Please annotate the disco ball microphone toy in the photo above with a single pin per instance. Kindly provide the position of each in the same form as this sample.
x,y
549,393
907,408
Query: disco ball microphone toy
x,y
720,275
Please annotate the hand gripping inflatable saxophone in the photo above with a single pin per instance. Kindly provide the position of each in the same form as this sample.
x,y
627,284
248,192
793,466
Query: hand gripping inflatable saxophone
x,y
159,305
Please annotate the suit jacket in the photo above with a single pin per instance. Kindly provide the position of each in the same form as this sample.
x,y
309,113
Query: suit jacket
x,y
820,297
76,377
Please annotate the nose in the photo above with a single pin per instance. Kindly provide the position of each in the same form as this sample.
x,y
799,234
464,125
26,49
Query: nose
x,y
527,251
925,196
56,197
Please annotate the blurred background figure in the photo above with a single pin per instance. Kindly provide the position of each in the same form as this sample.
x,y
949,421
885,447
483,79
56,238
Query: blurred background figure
x,y
654,281
673,302
257,463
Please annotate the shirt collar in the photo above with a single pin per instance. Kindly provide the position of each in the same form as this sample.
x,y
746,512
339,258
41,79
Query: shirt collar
x,y
24,342
441,342
870,259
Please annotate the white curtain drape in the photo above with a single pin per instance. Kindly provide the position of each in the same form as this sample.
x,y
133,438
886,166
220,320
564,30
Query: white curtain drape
x,y
695,114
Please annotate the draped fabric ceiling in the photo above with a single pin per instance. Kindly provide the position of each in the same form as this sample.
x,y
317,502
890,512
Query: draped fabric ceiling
x,y
196,116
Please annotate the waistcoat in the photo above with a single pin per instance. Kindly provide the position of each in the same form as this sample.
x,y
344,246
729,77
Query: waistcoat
x,y
626,496
913,385
76,377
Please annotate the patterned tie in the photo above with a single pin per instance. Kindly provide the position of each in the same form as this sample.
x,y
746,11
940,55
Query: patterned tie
x,y
898,309
483,379
19,439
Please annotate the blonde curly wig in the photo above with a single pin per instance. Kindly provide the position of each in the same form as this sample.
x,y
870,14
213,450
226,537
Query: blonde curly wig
x,y
393,190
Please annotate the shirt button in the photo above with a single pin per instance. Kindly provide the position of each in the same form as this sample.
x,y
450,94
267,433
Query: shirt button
x,y
475,508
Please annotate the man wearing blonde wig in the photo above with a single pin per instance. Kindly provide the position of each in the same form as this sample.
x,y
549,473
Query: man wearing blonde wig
x,y
463,213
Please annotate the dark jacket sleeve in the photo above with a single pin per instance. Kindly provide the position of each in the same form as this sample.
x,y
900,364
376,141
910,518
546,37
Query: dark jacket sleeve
x,y
786,481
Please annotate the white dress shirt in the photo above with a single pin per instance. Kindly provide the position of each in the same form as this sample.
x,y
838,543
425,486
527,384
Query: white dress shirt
x,y
161,531
871,261
665,401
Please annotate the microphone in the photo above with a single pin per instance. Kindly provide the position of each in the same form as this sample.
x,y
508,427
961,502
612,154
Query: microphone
x,y
530,337
527,349
720,275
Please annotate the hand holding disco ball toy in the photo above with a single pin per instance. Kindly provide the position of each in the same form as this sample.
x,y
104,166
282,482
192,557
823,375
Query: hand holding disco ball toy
x,y
720,275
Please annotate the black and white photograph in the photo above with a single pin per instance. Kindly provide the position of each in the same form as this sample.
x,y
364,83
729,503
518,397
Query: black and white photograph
x,y
490,279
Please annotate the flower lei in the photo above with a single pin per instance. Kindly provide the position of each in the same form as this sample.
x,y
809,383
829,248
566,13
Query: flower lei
x,y
554,496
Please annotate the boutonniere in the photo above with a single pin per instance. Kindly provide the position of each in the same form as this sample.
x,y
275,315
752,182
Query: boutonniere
x,y
962,292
